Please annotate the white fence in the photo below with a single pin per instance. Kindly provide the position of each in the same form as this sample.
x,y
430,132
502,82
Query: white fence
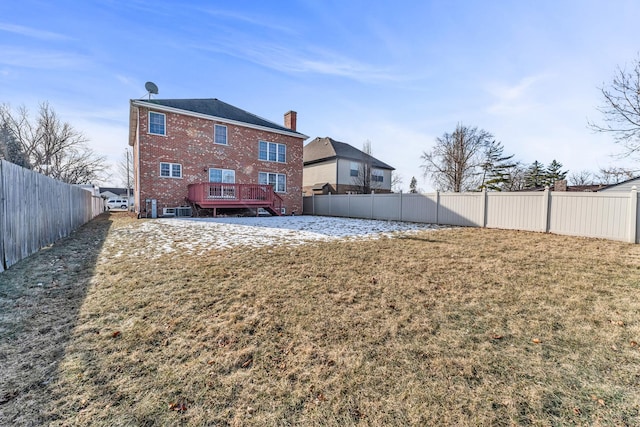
x,y
36,210
607,215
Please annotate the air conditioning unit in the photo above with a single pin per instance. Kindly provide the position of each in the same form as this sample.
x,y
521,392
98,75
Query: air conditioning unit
x,y
168,211
177,211
183,211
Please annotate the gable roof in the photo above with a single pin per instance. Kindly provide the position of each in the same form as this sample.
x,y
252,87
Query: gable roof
x,y
214,108
322,149
624,185
115,190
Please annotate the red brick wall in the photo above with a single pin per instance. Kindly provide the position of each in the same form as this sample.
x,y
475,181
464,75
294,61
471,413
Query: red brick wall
x,y
189,141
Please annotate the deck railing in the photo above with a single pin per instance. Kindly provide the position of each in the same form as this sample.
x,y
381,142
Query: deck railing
x,y
216,194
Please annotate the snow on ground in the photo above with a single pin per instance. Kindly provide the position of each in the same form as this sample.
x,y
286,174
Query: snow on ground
x,y
199,235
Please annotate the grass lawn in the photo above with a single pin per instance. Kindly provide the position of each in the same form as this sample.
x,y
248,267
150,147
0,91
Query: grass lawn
x,y
451,327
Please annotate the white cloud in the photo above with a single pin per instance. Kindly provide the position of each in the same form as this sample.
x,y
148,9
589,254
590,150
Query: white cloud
x,y
40,59
260,21
514,99
31,32
309,59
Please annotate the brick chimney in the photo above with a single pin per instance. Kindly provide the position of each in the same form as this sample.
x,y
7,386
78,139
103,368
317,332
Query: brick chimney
x,y
290,119
560,185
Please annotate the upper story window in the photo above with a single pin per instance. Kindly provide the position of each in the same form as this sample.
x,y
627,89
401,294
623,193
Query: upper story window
x,y
157,123
171,170
272,152
220,134
377,175
355,169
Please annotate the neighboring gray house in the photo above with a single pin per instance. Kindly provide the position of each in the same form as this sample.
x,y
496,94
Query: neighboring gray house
x,y
624,185
336,167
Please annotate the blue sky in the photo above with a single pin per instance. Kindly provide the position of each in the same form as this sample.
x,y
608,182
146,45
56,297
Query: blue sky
x,y
398,74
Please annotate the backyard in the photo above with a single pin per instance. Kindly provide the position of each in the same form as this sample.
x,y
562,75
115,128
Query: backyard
x,y
319,321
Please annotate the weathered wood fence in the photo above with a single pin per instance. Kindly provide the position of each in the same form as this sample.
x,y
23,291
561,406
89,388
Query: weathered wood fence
x,y
36,210
608,215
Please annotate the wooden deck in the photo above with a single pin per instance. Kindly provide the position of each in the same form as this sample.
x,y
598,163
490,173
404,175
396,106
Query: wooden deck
x,y
214,195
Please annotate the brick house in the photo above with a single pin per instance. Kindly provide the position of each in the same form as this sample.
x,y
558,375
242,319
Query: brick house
x,y
336,167
210,153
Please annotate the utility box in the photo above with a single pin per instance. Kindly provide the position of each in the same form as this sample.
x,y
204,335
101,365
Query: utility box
x,y
151,208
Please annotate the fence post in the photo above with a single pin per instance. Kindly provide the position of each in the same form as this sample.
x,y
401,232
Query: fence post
x,y
2,214
313,204
546,209
484,207
437,207
330,205
372,196
633,214
401,218
349,204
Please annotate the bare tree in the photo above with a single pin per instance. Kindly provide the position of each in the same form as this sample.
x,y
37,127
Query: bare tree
x,y
125,169
363,182
517,174
52,147
396,182
454,163
583,177
614,175
621,109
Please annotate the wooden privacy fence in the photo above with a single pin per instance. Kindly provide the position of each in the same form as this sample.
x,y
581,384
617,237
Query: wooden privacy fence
x,y
36,210
607,215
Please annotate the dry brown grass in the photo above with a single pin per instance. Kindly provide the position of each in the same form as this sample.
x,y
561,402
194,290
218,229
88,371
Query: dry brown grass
x,y
455,327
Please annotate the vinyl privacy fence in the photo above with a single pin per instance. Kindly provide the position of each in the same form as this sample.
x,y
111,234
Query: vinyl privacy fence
x,y
36,210
607,215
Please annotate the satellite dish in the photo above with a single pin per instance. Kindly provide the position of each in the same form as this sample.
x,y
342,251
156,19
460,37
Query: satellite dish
x,y
151,88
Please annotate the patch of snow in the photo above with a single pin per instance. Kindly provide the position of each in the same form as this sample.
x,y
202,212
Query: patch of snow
x,y
199,235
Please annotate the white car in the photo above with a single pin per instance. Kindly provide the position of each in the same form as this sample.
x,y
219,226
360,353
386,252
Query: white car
x,y
117,204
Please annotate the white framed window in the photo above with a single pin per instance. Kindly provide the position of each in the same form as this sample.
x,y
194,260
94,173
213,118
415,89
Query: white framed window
x,y
354,169
277,180
171,170
157,123
272,152
377,175
220,134
226,176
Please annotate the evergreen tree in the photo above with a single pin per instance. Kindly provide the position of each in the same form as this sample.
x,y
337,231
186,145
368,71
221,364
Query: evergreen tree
x,y
413,185
496,167
555,172
536,175
10,149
